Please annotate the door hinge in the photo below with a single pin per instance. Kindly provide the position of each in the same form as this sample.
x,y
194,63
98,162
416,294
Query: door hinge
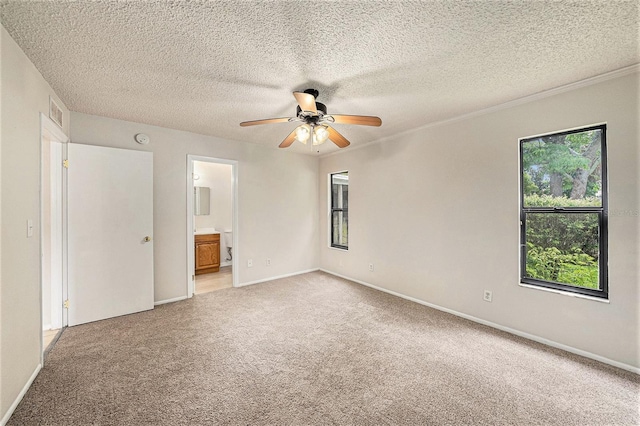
x,y
193,277
65,164
66,304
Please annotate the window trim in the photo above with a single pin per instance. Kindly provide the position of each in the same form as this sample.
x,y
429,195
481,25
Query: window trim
x,y
602,212
331,210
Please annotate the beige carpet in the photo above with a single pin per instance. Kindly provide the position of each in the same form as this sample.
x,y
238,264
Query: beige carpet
x,y
315,349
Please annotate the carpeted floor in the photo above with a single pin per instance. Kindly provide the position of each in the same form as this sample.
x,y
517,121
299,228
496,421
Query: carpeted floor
x,y
316,349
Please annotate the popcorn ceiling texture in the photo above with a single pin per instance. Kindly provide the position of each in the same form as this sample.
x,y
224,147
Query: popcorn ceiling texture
x,y
205,66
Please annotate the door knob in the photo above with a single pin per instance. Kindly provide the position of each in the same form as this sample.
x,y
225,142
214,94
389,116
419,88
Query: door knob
x,y
147,239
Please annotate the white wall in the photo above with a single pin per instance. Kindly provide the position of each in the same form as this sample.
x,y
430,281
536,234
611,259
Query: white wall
x,y
277,206
436,211
24,94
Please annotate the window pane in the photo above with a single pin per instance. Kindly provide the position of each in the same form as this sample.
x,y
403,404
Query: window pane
x,y
563,170
340,227
339,190
563,248
344,202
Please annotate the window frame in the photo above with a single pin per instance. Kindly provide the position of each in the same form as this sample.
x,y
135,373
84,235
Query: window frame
x,y
333,209
601,211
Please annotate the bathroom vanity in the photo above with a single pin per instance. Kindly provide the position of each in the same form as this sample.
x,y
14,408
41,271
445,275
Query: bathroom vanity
x,y
207,250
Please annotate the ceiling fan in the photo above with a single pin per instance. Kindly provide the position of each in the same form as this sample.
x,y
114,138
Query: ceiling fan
x,y
316,122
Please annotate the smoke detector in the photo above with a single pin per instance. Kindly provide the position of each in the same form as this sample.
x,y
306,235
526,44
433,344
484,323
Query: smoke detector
x,y
142,139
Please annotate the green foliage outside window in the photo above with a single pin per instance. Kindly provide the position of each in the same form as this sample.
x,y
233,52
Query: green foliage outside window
x,y
563,167
563,249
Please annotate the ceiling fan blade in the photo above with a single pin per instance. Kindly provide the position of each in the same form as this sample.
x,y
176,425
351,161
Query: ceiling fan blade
x,y
337,138
306,101
289,139
363,120
265,121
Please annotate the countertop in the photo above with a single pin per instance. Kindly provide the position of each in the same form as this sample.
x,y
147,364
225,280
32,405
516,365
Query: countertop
x,y
206,231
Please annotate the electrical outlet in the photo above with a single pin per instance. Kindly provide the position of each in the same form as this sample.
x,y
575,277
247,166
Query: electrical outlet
x,y
371,267
268,262
487,296
250,263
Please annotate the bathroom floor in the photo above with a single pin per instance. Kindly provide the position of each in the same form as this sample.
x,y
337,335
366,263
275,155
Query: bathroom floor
x,y
214,281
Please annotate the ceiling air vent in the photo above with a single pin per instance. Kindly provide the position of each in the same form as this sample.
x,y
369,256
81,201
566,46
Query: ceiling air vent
x,y
55,113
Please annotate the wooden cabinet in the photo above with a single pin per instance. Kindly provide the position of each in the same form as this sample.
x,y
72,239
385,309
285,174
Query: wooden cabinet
x,y
207,253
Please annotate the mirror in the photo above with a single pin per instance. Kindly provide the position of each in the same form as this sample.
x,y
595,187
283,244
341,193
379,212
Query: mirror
x,y
201,200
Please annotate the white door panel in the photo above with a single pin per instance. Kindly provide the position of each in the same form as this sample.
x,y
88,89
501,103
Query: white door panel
x,y
110,212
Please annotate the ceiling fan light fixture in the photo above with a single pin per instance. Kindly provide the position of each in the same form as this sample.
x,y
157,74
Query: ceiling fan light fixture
x,y
320,135
302,133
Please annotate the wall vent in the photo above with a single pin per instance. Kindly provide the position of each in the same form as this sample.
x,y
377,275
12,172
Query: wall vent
x,y
55,113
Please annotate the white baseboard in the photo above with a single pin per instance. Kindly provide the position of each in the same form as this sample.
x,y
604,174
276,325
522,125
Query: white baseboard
x,y
277,277
175,299
225,264
24,390
47,327
533,337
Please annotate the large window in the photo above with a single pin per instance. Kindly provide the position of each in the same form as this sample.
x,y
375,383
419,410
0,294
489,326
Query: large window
x,y
563,205
340,210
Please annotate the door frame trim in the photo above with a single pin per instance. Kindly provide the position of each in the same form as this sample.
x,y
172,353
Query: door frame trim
x,y
190,222
47,126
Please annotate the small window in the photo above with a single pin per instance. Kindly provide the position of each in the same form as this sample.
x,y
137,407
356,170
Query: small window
x,y
563,222
340,210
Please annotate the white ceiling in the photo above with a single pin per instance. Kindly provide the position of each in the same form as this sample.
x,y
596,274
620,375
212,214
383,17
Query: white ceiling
x,y
206,66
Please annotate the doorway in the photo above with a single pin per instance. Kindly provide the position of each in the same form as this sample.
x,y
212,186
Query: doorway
x,y
53,145
211,224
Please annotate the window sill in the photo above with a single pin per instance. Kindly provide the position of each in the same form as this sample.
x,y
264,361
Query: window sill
x,y
338,248
565,293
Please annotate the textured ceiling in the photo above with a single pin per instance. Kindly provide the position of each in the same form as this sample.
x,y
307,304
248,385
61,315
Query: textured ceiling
x,y
206,66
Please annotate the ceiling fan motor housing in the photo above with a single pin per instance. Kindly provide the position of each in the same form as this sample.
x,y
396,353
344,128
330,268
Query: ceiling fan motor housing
x,y
312,119
312,92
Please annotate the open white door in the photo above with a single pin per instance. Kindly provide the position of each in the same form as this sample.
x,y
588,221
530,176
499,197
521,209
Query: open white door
x,y
110,224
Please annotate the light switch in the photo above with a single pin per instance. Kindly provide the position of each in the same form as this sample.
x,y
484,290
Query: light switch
x,y
29,228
